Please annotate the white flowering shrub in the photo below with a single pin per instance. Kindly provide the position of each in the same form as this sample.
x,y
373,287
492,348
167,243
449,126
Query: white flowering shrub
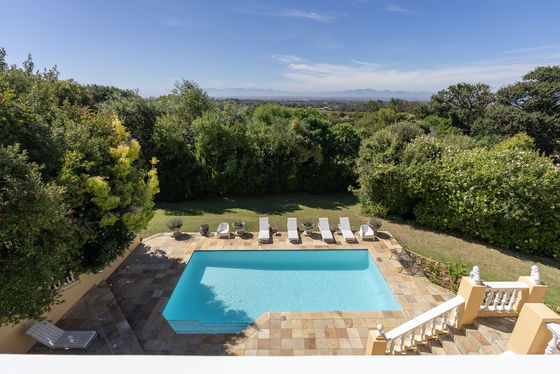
x,y
508,195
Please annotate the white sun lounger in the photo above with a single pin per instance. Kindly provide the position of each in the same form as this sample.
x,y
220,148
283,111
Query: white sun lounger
x,y
344,226
366,232
325,229
223,230
264,230
48,334
293,233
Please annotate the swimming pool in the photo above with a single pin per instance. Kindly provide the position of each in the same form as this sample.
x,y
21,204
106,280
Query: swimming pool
x,y
224,291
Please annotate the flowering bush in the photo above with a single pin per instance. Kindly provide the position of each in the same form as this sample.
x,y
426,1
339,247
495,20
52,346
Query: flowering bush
x,y
508,195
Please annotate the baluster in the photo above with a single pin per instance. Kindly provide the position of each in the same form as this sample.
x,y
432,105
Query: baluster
x,y
445,319
422,335
503,303
489,296
401,344
551,345
432,327
412,338
391,346
455,316
496,299
512,299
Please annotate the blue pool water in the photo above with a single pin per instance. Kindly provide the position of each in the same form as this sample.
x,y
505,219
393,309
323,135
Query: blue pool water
x,y
224,291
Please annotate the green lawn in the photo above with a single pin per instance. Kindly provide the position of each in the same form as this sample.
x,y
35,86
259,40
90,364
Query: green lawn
x,y
495,264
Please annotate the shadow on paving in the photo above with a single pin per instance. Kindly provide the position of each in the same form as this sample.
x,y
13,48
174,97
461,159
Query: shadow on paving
x,y
142,288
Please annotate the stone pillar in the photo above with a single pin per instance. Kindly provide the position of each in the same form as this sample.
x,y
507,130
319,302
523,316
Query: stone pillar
x,y
376,343
536,291
473,293
530,334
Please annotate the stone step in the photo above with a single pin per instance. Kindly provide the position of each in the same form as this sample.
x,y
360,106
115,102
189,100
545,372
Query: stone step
x,y
98,310
448,344
112,323
484,337
432,347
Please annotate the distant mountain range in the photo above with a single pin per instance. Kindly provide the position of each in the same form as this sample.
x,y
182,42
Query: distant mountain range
x,y
350,95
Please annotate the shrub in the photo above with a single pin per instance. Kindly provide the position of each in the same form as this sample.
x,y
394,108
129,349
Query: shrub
x,y
238,223
506,196
174,223
375,224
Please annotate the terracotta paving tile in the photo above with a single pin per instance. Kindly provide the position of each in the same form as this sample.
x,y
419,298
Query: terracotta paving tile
x,y
341,333
287,344
275,344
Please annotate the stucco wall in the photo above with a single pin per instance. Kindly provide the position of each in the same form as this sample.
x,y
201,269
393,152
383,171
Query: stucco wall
x,y
13,339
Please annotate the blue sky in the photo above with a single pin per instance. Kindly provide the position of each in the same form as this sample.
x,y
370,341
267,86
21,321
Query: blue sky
x,y
300,46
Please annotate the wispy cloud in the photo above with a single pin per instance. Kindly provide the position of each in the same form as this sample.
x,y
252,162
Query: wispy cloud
x,y
305,76
288,59
531,49
396,8
291,13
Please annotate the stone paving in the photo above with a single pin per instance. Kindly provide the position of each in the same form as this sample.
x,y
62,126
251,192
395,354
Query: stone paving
x,y
143,285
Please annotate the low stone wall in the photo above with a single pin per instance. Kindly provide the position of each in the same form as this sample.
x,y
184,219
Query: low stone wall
x,y
13,339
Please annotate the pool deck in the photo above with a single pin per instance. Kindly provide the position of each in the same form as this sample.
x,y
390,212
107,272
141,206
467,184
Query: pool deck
x,y
132,321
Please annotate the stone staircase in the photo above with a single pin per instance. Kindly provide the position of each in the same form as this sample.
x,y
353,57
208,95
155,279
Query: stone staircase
x,y
487,336
98,310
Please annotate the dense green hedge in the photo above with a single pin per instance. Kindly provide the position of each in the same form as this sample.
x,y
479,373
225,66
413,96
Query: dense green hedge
x,y
508,195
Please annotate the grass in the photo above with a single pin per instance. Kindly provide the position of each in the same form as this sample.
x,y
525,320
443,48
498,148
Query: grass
x,y
495,264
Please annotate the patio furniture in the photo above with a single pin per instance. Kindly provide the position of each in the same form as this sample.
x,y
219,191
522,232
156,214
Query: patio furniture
x,y
293,233
203,229
366,232
223,230
264,230
409,262
344,226
396,251
55,338
325,229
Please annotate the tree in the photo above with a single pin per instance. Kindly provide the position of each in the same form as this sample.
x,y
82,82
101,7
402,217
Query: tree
x,y
110,194
464,103
173,145
538,92
532,106
188,101
509,120
35,238
3,63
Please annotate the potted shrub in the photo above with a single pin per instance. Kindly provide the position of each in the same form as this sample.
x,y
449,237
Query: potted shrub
x,y
239,227
308,226
175,224
375,225
203,229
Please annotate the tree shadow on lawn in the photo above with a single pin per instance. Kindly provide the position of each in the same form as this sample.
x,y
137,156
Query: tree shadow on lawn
x,y
460,236
266,204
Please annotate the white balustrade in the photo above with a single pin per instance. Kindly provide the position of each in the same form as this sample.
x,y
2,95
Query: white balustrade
x,y
501,296
424,326
69,279
553,343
